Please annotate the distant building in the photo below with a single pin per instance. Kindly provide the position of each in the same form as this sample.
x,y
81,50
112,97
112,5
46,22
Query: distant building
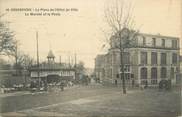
x,y
151,59
99,67
8,76
51,71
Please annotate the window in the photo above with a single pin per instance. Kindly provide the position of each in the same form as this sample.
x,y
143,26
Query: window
x,y
163,72
154,58
127,76
163,42
172,73
174,58
143,75
114,58
103,72
108,73
126,58
111,59
177,69
163,58
174,43
143,58
153,41
154,73
127,68
154,76
144,41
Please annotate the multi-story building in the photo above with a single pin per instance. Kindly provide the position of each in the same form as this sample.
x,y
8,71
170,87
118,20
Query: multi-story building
x,y
151,59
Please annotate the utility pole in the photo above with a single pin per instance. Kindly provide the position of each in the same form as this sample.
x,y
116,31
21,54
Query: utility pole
x,y
60,60
69,64
75,60
75,66
16,58
72,61
38,72
122,63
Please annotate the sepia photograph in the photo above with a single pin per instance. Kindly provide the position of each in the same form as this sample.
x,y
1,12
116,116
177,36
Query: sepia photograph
x,y
90,58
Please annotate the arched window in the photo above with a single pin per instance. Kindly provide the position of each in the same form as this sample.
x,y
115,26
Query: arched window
x,y
154,73
163,72
154,76
143,75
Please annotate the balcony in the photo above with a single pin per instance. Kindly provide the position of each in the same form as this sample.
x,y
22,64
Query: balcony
x,y
156,47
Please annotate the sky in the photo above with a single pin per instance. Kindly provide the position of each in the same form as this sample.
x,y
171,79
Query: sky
x,y
81,31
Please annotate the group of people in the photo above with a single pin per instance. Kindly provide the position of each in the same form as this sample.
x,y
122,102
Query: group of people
x,y
49,86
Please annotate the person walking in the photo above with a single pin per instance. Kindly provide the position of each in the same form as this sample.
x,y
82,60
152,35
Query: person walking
x,y
62,86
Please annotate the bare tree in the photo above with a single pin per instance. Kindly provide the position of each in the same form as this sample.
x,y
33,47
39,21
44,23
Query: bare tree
x,y
23,62
80,67
118,16
7,42
27,61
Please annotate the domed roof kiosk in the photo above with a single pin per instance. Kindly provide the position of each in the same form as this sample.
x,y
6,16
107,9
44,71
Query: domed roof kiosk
x,y
50,57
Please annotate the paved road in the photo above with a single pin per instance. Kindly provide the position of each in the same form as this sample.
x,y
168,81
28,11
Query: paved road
x,y
95,101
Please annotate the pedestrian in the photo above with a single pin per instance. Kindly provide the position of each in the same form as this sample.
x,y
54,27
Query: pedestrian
x,y
62,86
116,82
133,83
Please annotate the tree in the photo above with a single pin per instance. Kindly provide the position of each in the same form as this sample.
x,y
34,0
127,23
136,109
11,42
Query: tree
x,y
27,62
79,71
80,67
7,42
4,64
119,18
23,62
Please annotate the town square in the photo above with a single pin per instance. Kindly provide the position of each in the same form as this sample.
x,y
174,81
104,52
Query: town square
x,y
90,58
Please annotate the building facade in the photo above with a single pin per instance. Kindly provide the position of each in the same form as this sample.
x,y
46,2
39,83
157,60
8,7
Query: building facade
x,y
151,59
